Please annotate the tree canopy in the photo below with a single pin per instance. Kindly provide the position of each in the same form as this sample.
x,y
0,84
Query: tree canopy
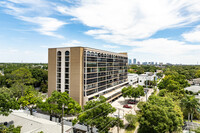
x,y
96,114
132,92
30,99
53,104
7,102
160,115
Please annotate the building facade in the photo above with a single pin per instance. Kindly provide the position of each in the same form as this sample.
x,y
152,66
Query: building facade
x,y
129,61
133,79
134,61
85,73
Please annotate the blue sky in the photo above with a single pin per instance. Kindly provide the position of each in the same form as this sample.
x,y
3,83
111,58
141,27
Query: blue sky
x,y
159,31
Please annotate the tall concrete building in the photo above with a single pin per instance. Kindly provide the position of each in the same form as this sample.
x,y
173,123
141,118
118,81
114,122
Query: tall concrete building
x,y
86,73
134,61
129,61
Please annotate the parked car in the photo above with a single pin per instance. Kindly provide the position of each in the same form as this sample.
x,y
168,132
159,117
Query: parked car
x,y
132,102
127,106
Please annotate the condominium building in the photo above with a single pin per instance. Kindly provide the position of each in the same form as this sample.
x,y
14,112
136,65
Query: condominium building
x,y
86,73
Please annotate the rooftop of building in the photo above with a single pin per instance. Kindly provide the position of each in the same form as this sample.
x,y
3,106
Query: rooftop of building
x,y
193,88
32,124
94,49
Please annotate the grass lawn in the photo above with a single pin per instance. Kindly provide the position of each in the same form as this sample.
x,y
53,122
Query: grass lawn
x,y
131,129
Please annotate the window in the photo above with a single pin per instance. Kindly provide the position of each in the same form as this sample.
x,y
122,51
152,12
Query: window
x,y
66,64
59,53
59,75
66,75
59,80
59,70
67,70
91,64
66,86
59,86
67,53
66,58
66,81
59,64
59,58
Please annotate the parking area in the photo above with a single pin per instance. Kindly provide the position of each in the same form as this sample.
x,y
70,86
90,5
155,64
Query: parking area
x,y
120,102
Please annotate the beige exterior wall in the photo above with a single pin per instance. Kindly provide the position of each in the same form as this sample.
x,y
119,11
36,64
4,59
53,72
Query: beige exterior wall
x,y
51,70
76,74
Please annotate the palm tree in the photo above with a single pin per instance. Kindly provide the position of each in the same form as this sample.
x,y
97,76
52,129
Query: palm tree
x,y
191,104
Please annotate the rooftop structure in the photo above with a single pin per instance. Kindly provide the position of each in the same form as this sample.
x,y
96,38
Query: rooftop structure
x,y
31,124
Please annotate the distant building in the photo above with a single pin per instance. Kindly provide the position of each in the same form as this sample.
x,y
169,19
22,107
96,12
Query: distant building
x,y
134,61
129,61
152,63
133,79
138,63
147,76
159,71
144,63
168,64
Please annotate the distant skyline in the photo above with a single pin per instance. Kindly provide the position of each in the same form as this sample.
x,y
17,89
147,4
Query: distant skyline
x,y
151,31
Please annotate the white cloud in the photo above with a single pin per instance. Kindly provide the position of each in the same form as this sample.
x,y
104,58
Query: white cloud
x,y
110,46
36,12
47,25
192,36
132,19
165,50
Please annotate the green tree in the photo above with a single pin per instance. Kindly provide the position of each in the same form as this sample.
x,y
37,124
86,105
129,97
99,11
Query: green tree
x,y
190,104
132,92
174,83
197,75
159,75
140,104
2,80
53,105
132,119
10,129
7,102
21,76
138,91
162,92
127,91
160,115
96,113
41,78
30,99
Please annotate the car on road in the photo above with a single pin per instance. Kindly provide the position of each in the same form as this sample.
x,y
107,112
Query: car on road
x,y
132,102
127,106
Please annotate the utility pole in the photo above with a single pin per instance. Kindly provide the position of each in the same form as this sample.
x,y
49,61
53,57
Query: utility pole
x,y
146,89
62,129
146,95
118,122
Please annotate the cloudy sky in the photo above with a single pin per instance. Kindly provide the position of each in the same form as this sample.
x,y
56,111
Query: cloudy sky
x,y
149,30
